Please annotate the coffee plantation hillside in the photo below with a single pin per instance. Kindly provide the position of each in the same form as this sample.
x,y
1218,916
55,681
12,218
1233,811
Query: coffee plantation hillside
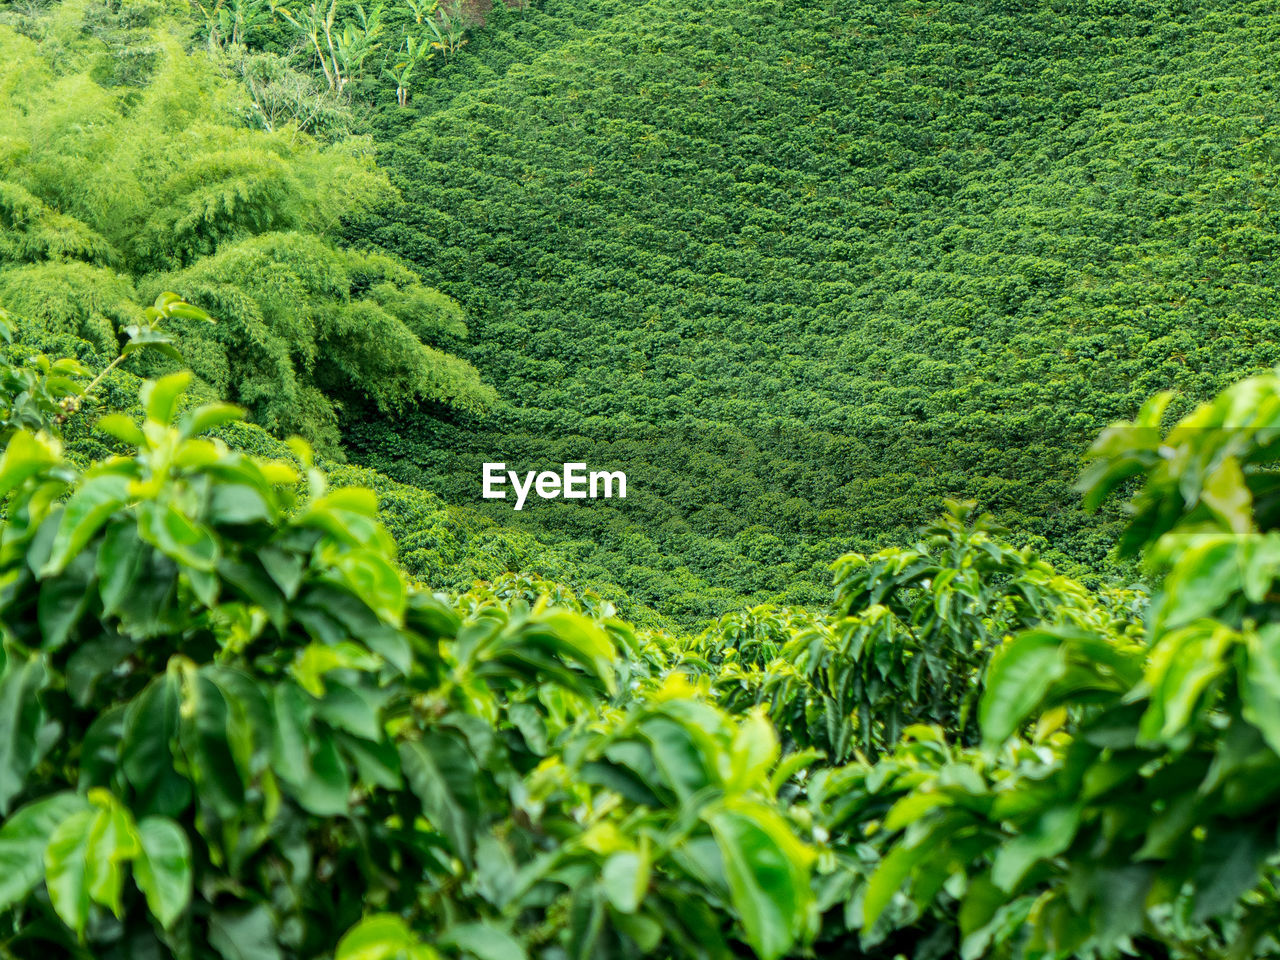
x,y
117,129
804,270
235,730
822,269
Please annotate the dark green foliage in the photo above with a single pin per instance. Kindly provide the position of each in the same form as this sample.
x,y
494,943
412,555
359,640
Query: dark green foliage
x,y
234,723
1139,812
907,640
803,271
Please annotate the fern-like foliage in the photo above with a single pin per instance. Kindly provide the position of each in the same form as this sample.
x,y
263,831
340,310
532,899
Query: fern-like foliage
x,y
304,324
113,189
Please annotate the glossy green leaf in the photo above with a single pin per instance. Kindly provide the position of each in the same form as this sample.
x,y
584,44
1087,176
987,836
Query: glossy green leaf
x,y
66,870
443,774
163,868
111,844
1020,674
25,729
766,867
84,515
150,734
159,397
1260,685
23,839
382,937
626,878
1047,836
244,934
484,941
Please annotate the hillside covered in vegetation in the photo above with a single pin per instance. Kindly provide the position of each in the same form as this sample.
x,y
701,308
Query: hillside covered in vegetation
x,y
804,270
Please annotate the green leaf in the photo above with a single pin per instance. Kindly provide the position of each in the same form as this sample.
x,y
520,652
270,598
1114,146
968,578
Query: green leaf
x,y
443,774
626,878
1122,895
208,416
150,733
1181,668
205,736
790,765
910,808
23,840
62,601
1227,495
141,339
677,753
25,730
238,504
244,935
767,870
177,535
1229,868
1207,573
1260,685
352,710
754,752
982,900
382,937
113,840
1020,674
1047,836
484,941
317,659
65,869
889,878
121,559
163,868
26,455
100,749
159,396
84,515
93,661
123,428
327,793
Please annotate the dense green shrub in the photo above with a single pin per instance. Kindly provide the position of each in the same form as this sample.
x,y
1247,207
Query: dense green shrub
x,y
237,724
113,191
234,730
1138,813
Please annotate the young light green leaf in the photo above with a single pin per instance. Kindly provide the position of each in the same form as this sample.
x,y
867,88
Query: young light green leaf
x,y
23,840
767,870
65,870
626,878
382,937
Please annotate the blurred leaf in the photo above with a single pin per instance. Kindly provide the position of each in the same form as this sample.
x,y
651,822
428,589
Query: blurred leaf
x,y
23,839
163,868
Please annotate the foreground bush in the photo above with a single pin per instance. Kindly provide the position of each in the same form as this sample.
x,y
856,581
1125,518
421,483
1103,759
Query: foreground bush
x,y
233,729
1124,798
